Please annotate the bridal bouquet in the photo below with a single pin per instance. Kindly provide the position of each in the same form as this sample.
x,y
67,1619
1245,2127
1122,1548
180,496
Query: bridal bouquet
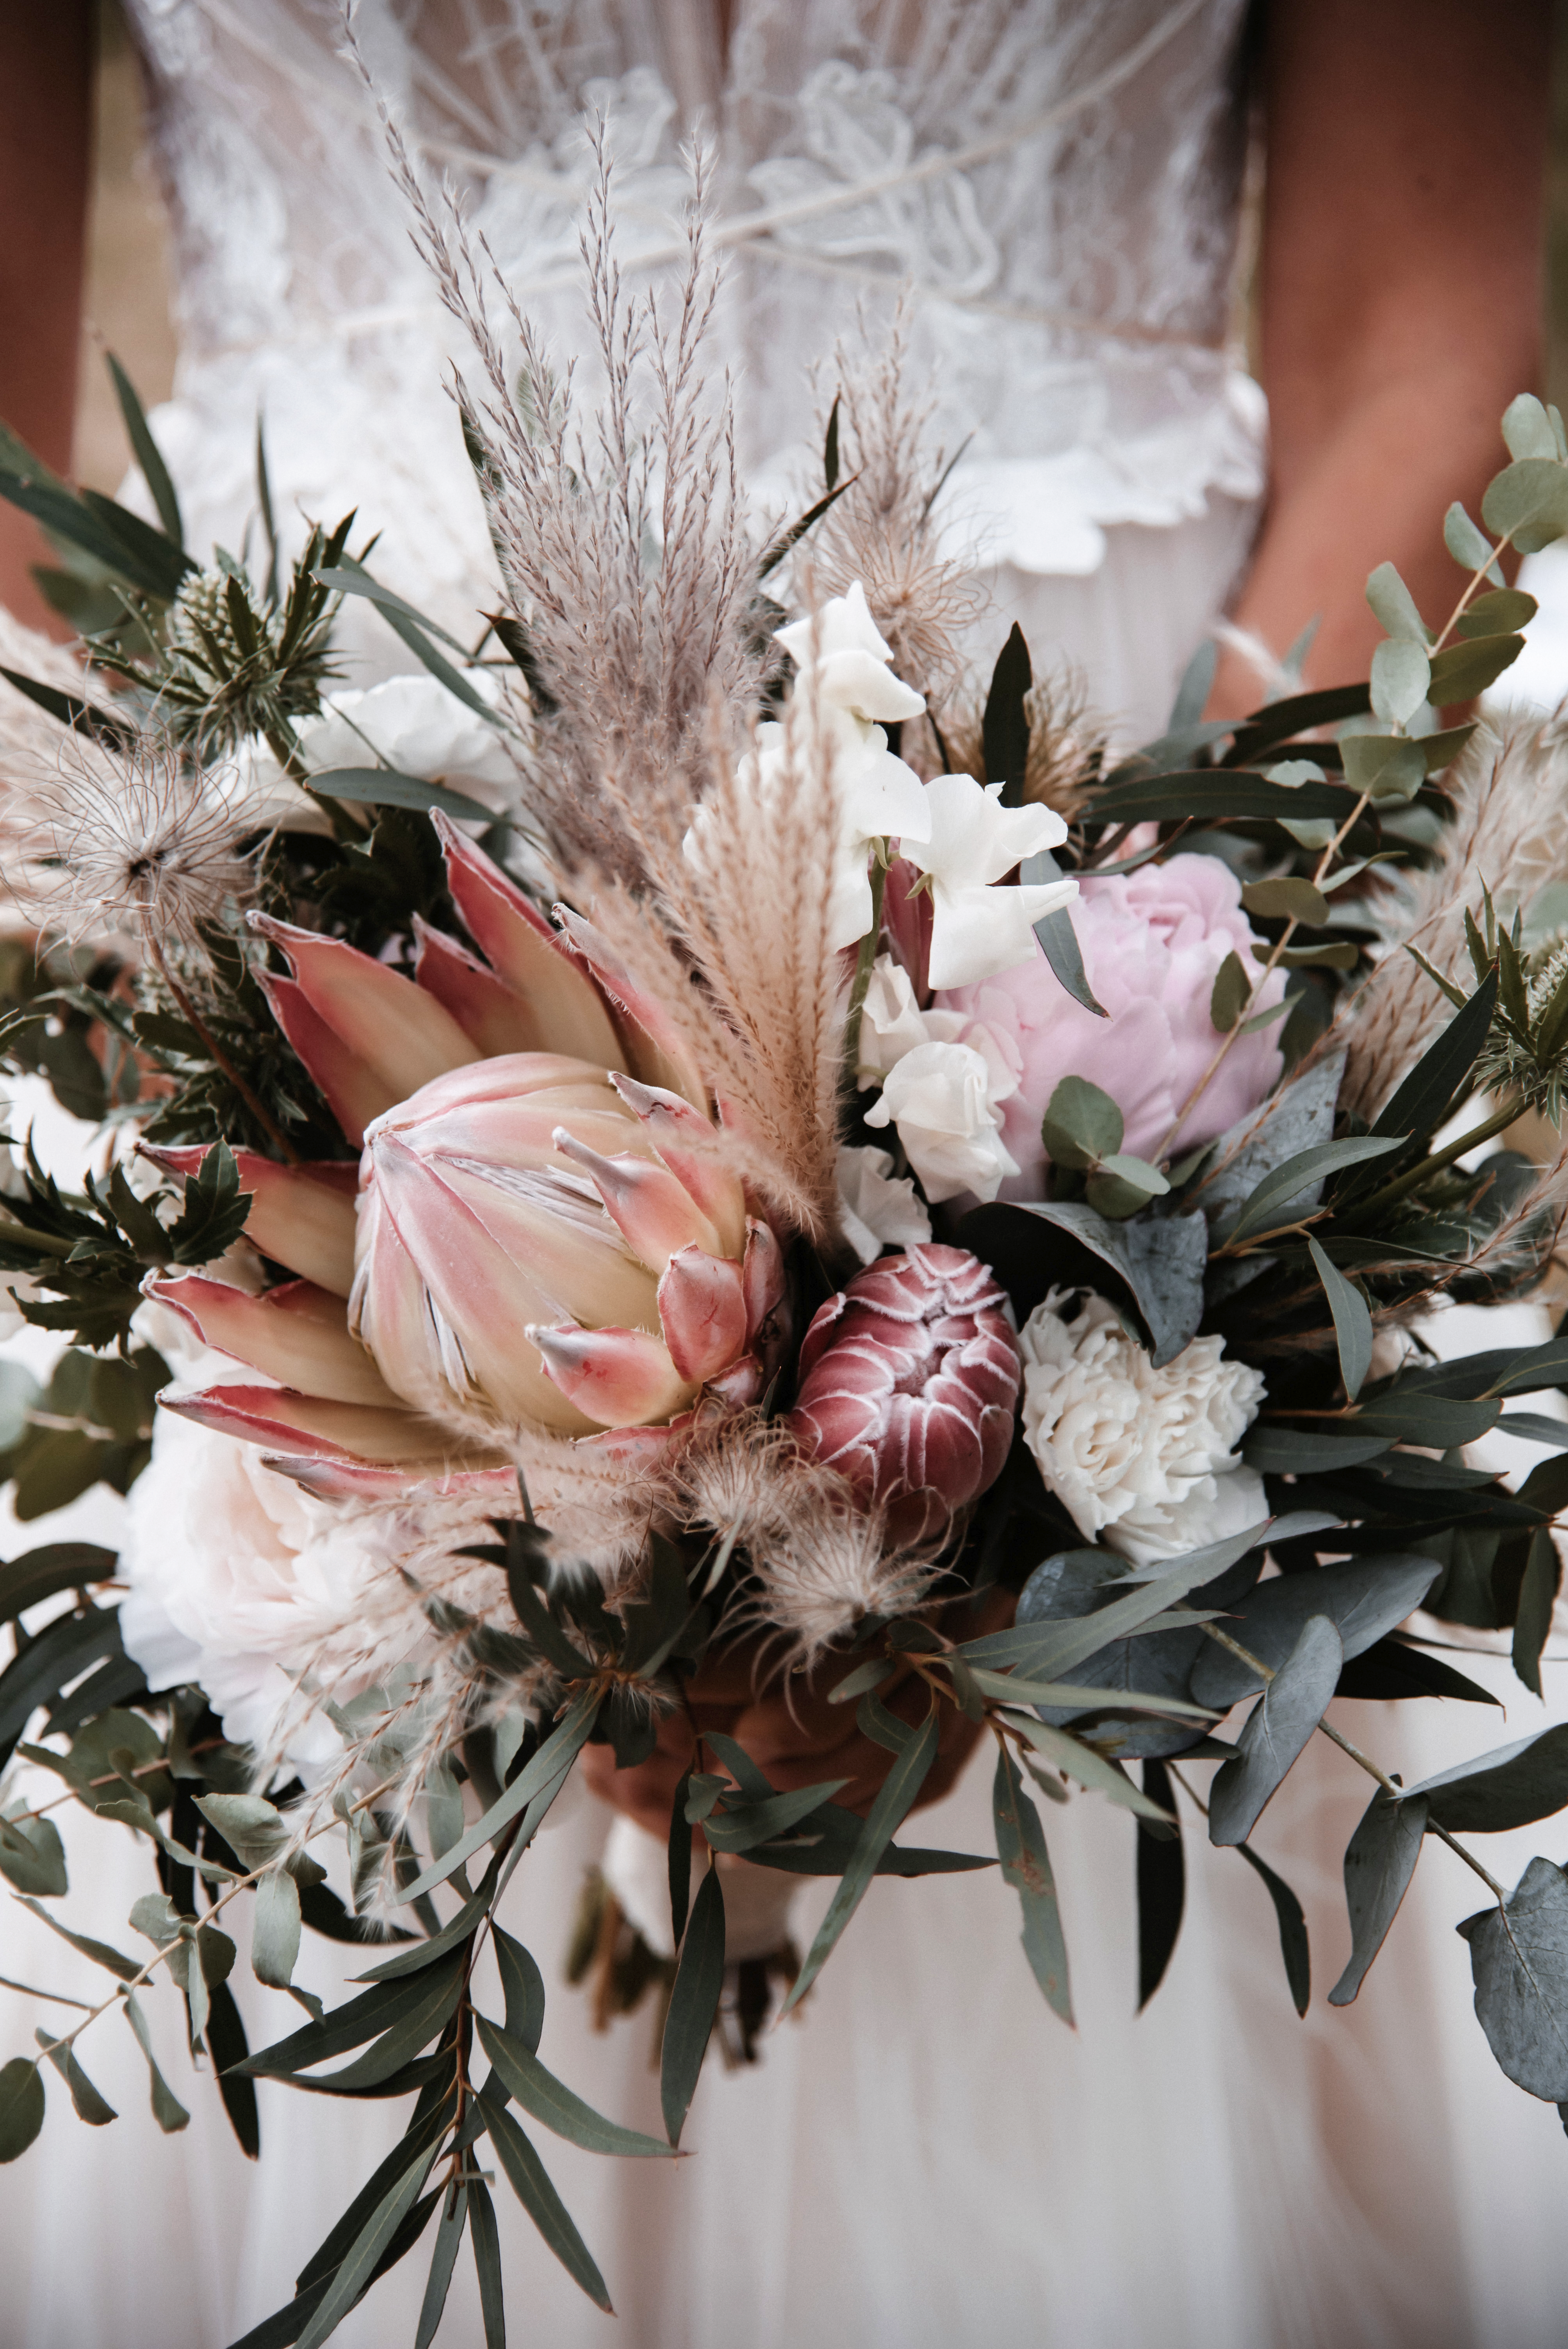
x,y
681,1133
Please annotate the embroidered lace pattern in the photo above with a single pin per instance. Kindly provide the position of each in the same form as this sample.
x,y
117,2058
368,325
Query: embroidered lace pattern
x,y
1057,182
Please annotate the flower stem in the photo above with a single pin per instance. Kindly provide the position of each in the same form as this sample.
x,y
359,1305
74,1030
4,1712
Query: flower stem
x,y
1495,1123
220,1059
864,961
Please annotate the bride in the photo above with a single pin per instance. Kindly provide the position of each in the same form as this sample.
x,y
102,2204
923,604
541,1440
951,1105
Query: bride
x,y
926,2157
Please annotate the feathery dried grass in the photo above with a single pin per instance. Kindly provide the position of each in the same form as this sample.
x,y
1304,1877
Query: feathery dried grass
x,y
1509,832
881,532
620,535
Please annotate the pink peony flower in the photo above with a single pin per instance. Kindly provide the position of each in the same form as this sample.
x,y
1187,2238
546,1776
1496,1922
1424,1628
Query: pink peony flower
x,y
1151,943
909,1381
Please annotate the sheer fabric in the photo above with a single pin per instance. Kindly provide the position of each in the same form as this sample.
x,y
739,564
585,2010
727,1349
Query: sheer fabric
x,y
926,2157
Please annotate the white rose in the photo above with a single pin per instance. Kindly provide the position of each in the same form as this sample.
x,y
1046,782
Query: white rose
x,y
1144,1457
251,1587
943,1099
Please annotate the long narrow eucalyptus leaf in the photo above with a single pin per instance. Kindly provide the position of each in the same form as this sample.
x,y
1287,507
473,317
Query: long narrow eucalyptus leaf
x,y
693,2002
529,2181
563,1745
887,1813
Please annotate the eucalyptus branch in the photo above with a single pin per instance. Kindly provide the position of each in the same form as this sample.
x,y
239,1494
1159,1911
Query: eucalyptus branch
x,y
1364,1761
1433,1164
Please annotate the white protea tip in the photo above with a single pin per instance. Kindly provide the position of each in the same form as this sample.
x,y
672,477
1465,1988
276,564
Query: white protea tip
x,y
909,1383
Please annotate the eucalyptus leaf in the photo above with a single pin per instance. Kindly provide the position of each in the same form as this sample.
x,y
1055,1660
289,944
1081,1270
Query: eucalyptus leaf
x,y
1465,670
360,2261
90,2107
385,787
1352,1320
693,2003
738,1830
1275,1731
1300,1115
32,1857
275,1929
1229,996
1527,428
1293,1452
443,2259
1363,1597
894,1800
1532,1620
1510,1787
22,2103
1379,1861
1506,610
1058,938
1287,900
1160,1263
1081,1125
1519,1958
1305,1173
1291,1921
1026,1865
529,2181
551,1762
1401,676
1095,1772
539,2092
1395,608
1528,502
1469,545
167,2109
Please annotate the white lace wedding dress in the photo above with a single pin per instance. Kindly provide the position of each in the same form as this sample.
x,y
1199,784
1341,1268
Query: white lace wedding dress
x,y
926,2158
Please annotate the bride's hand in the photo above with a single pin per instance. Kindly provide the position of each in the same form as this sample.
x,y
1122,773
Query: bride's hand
x,y
798,1737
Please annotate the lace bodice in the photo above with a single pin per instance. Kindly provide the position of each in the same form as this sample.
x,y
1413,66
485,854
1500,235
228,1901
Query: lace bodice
x,y
1057,182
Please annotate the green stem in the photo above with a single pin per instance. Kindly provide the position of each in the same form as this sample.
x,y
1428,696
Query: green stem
x,y
864,963
1434,1165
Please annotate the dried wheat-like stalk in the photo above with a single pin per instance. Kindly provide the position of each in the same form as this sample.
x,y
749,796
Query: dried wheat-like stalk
x,y
620,535
1510,834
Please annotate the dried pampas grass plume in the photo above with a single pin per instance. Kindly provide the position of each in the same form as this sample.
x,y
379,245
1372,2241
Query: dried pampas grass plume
x,y
1508,834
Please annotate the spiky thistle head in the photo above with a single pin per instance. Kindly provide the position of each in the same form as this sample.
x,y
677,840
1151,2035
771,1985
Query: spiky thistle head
x,y
233,662
132,842
1528,1054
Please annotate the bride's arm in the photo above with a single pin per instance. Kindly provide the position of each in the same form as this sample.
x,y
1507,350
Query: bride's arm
x,y
1400,301
45,117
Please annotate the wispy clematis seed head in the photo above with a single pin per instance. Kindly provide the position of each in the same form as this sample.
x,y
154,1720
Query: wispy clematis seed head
x,y
909,1384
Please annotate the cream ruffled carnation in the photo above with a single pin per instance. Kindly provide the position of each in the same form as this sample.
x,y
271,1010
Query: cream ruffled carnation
x,y
243,1583
1143,1457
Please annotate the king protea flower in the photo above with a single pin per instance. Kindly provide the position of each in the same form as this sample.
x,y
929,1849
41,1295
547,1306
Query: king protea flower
x,y
909,1381
541,1233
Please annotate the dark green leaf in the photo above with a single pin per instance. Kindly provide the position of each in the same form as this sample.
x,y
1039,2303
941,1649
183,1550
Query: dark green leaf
x,y
1229,996
1275,1733
754,1823
1533,1620
1285,901
365,2017
529,2181
21,2106
1161,1264
1519,1957
548,1766
83,716
1379,1862
227,2046
449,2240
1058,938
787,540
1506,609
1004,725
1386,767
91,2107
1352,1320
1420,1103
1298,1452
693,2002
68,517
679,1854
893,1803
1293,1941
424,2131
383,786
522,1985
486,2241
360,2261
1507,1789
871,1674
1416,1415
100,1952
1466,669
539,2092
422,1954
167,2109
1161,1885
1299,1174
155,472
1081,1125
1397,1669
402,2041
350,578
32,1857
1026,1864
1363,1597
1217,796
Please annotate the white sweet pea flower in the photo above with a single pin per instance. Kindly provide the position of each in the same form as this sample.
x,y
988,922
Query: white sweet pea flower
x,y
943,1099
880,1209
843,688
973,840
848,665
892,1023
1144,1458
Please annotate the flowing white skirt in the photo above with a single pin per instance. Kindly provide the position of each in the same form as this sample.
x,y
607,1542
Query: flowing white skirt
x,y
926,2157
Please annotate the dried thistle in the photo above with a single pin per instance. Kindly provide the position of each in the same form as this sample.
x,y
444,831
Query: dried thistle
x,y
137,842
881,532
1067,742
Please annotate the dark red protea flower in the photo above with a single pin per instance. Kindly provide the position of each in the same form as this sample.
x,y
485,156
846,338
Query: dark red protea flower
x,y
909,1381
